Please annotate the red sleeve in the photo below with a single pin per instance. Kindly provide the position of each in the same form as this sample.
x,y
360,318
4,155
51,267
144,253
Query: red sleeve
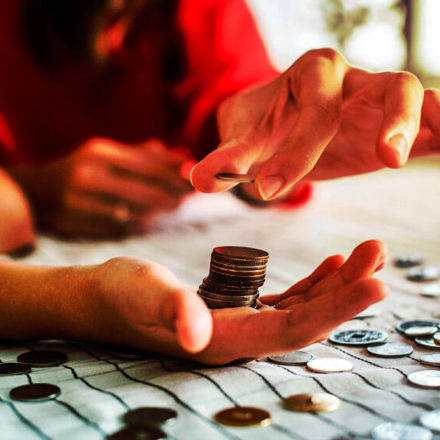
x,y
225,54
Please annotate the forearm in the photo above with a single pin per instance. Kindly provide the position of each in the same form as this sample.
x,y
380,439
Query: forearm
x,y
42,302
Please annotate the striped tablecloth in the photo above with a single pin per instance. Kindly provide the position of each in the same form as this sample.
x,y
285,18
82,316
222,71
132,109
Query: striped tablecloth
x,y
401,208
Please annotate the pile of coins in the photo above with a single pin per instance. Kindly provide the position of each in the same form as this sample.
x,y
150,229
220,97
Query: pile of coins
x,y
235,275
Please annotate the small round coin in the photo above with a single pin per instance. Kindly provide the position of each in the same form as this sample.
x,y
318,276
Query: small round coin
x,y
431,420
408,260
234,177
403,326
400,431
425,378
35,392
436,337
292,358
430,290
358,337
415,332
42,358
431,359
243,416
241,253
369,312
427,343
312,402
329,365
12,368
138,433
422,274
390,350
150,416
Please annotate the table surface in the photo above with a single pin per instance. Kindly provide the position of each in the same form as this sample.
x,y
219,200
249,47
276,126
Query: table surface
x,y
399,207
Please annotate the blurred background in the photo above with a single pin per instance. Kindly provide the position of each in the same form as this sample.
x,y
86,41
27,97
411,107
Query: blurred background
x,y
373,34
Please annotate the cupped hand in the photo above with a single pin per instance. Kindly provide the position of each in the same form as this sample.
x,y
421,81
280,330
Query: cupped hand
x,y
107,189
321,119
147,308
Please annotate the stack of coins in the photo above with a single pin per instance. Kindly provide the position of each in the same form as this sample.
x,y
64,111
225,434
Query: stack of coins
x,y
235,275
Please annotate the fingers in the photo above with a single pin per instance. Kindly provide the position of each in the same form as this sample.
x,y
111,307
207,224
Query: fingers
x,y
328,266
401,120
316,82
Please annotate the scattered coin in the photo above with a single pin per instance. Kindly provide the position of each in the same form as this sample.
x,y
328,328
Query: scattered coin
x,y
431,420
358,337
390,350
243,416
425,378
422,274
35,392
138,433
329,365
437,337
431,359
127,353
150,416
403,326
369,312
430,290
11,368
428,343
408,260
42,358
414,332
292,358
400,431
234,177
312,402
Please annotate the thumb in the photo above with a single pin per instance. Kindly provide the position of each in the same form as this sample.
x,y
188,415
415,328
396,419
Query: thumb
x,y
234,156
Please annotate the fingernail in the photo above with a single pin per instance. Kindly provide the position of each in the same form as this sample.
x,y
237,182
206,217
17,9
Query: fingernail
x,y
398,142
269,186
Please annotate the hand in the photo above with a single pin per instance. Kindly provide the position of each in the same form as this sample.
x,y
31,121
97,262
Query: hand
x,y
321,119
107,189
143,305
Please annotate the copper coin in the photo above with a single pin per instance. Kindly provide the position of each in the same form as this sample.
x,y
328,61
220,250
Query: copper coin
x,y
12,368
150,416
227,297
243,416
241,252
36,392
312,402
42,358
138,433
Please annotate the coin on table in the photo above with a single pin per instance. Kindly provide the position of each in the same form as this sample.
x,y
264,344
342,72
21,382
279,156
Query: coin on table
x,y
428,343
403,326
35,392
312,402
42,358
390,350
234,177
400,431
329,365
11,368
431,359
369,312
430,290
138,433
415,332
243,416
422,274
408,260
358,337
425,378
436,337
431,420
150,416
292,358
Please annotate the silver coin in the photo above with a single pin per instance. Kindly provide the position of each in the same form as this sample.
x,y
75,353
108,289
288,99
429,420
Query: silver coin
x,y
390,350
12,368
422,274
408,260
436,337
35,392
404,325
369,312
400,431
329,365
147,416
428,343
425,378
430,290
431,359
431,420
358,337
292,358
234,177
414,332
